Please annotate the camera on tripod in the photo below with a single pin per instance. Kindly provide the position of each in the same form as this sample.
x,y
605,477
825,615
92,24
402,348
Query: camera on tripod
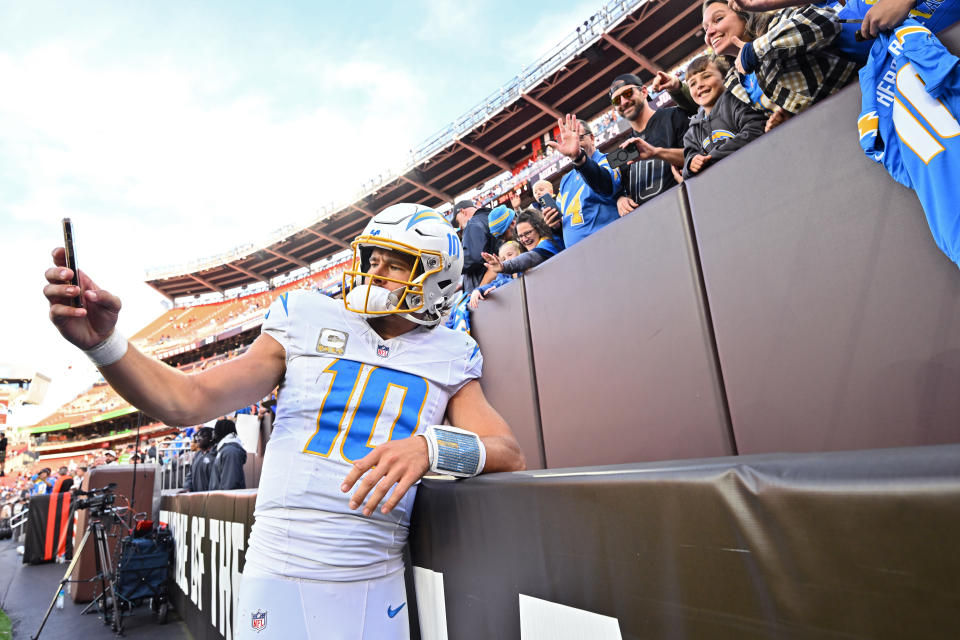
x,y
96,500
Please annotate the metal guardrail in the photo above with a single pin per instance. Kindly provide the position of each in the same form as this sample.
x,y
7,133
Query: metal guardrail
x,y
585,35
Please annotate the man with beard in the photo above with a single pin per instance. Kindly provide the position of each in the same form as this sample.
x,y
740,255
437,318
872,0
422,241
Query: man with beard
x,y
658,137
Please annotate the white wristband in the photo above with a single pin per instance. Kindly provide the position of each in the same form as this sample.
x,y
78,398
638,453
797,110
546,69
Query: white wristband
x,y
453,451
108,351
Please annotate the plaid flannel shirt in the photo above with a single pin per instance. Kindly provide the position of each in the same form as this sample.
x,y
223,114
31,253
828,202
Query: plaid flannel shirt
x,y
796,66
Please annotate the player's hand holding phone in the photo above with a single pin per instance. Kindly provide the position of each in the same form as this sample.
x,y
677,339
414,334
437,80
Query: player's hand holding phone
x,y
83,313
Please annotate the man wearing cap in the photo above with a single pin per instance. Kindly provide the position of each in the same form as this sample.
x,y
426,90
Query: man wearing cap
x,y
476,239
658,136
109,456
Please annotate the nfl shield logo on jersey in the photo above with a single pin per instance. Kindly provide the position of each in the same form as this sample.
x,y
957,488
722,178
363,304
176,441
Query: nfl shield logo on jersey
x,y
383,350
258,620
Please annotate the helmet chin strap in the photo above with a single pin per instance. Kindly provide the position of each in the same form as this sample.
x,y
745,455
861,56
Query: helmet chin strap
x,y
393,299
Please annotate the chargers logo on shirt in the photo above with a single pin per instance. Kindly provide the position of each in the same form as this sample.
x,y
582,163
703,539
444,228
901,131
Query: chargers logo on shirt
x,y
717,136
332,341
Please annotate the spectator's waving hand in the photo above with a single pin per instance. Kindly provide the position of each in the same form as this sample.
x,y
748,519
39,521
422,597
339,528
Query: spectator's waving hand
x,y
493,262
569,144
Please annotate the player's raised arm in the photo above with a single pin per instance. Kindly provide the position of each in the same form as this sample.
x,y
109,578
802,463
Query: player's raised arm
x,y
153,387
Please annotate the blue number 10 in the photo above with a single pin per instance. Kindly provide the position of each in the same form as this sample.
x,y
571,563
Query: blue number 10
x,y
384,391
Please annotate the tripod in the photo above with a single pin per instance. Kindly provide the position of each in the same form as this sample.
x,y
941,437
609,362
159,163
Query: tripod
x,y
105,574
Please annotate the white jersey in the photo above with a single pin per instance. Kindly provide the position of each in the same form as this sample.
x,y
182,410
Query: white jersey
x,y
346,390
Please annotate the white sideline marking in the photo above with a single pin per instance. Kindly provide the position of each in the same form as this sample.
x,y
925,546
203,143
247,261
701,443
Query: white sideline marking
x,y
430,604
545,620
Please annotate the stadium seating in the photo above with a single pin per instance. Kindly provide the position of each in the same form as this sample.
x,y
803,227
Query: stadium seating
x,y
181,328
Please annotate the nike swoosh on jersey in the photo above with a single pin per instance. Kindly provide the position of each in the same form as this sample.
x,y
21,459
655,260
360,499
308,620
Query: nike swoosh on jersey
x,y
391,612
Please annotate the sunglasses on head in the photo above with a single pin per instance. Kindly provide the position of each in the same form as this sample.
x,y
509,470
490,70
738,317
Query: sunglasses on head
x,y
626,95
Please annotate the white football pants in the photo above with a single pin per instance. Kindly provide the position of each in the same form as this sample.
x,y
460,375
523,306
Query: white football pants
x,y
271,606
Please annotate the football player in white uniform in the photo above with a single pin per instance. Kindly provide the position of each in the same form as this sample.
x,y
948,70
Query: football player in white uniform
x,y
361,380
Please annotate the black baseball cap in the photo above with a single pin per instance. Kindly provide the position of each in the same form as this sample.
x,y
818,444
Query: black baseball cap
x,y
463,204
457,208
624,80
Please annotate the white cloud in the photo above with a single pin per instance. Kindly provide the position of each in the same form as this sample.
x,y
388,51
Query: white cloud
x,y
143,138
155,173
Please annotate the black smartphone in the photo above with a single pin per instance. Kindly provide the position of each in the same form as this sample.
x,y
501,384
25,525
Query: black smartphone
x,y
547,201
71,255
620,157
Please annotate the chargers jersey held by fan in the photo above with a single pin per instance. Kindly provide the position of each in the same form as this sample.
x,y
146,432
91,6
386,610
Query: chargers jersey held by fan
x,y
933,14
911,100
345,391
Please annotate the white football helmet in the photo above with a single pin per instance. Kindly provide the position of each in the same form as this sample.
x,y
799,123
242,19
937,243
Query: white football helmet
x,y
426,293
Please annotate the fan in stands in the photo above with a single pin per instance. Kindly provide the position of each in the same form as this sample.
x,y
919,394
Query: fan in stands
x,y
314,552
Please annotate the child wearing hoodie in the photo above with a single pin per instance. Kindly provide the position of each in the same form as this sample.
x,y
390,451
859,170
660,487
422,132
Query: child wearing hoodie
x,y
723,124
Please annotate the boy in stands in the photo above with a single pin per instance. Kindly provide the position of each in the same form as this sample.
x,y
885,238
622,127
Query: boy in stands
x,y
723,124
364,385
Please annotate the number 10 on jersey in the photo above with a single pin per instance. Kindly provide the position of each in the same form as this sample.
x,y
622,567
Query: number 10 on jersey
x,y
391,399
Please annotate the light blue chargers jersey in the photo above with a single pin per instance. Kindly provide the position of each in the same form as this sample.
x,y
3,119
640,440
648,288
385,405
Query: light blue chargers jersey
x,y
345,391
584,210
911,99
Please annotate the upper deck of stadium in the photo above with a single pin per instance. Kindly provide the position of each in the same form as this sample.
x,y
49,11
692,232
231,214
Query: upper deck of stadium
x,y
628,36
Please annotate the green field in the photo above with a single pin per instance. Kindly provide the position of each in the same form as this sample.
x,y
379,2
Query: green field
x,y
5,632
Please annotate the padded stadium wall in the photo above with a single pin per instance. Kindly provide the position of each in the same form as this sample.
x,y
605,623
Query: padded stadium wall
x,y
789,299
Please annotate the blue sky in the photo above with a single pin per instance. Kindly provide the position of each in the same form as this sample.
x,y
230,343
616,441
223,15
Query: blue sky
x,y
174,131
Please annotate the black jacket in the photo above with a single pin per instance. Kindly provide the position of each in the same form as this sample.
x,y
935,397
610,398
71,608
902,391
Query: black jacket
x,y
228,467
730,125
200,470
476,239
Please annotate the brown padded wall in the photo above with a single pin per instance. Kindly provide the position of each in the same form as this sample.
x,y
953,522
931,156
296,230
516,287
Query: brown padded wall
x,y
623,359
837,317
500,327
827,546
